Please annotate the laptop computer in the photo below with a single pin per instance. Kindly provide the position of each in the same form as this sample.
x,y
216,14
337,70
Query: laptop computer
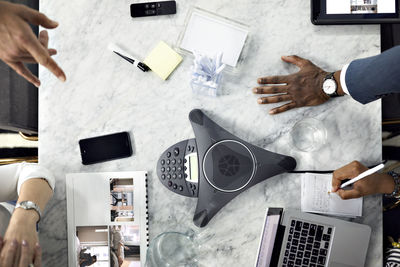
x,y
295,238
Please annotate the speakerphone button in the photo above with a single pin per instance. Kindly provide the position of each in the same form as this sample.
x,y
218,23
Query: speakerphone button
x,y
179,169
173,169
174,176
168,169
162,169
180,176
169,176
176,151
162,162
175,186
163,176
173,161
180,188
179,161
169,183
168,161
168,154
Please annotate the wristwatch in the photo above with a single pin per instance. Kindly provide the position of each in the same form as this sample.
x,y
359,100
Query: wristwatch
x,y
29,205
396,191
330,85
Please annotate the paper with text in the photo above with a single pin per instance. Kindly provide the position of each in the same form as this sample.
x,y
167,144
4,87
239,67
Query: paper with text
x,y
315,197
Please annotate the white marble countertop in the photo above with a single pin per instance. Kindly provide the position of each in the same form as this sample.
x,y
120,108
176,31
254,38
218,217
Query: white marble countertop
x,y
104,94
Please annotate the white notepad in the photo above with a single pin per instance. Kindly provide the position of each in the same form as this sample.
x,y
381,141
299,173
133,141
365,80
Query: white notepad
x,y
315,197
210,36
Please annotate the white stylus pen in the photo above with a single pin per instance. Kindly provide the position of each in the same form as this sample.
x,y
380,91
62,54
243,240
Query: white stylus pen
x,y
125,55
363,175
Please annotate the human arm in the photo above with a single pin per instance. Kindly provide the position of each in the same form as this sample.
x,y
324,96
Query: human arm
x,y
377,183
22,179
19,45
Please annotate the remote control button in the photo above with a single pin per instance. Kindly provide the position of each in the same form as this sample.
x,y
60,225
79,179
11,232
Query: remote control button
x,y
180,176
158,5
150,12
175,186
179,161
174,161
176,151
174,176
168,154
169,176
162,169
147,6
169,183
162,162
153,5
179,169
174,169
168,162
163,176
180,188
168,169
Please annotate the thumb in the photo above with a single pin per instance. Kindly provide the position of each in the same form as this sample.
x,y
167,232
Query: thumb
x,y
296,60
36,18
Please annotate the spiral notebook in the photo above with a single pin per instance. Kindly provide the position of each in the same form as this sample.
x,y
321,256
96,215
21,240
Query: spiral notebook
x,y
107,219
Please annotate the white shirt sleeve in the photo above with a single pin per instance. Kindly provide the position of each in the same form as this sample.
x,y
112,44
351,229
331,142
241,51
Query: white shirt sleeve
x,y
343,79
12,177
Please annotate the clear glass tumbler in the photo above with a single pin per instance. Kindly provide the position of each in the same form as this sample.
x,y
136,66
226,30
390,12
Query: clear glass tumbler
x,y
173,249
308,135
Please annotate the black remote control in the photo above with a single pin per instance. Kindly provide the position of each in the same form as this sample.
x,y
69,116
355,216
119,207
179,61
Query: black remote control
x,y
178,168
153,9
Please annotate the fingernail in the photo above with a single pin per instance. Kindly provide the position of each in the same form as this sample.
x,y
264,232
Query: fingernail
x,y
24,243
260,101
62,78
272,112
55,23
37,245
255,90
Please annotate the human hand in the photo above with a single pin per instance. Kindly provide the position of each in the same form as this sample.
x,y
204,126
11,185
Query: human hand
x,y
22,228
303,88
373,184
10,253
18,43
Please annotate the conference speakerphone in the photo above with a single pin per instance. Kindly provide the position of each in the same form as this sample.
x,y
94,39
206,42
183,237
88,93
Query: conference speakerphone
x,y
216,166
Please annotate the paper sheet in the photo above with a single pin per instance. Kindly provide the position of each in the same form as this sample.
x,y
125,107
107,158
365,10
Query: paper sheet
x,y
315,197
163,60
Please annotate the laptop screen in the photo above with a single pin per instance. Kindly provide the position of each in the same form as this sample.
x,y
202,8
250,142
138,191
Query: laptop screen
x,y
268,237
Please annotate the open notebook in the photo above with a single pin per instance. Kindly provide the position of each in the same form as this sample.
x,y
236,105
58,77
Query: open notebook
x,y
315,197
107,218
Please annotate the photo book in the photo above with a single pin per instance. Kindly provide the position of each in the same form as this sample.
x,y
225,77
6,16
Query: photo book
x,y
107,219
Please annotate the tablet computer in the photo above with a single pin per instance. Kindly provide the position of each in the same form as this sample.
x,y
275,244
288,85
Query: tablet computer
x,y
355,11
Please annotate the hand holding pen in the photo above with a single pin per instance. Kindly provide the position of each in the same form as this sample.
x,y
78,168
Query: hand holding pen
x,y
371,184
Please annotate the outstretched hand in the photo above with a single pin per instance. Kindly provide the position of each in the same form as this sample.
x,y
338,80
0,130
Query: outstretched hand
x,y
9,254
300,89
19,45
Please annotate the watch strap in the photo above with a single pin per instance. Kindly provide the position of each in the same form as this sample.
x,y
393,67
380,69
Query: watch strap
x,y
396,191
29,205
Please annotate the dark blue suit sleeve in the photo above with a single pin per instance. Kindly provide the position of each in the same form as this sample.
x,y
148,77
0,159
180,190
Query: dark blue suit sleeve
x,y
371,78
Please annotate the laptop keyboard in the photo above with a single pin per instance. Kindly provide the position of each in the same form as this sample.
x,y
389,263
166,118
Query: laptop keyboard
x,y
307,245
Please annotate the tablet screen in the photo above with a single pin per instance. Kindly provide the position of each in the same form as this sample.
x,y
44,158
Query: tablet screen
x,y
360,6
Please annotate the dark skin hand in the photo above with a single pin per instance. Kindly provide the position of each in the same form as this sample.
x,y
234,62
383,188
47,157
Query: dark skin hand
x,y
300,89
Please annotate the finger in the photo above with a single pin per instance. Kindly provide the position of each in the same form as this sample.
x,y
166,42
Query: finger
x,y
30,59
43,58
36,18
1,243
348,194
296,60
270,89
9,254
44,38
38,256
22,70
348,171
283,108
273,79
274,99
26,257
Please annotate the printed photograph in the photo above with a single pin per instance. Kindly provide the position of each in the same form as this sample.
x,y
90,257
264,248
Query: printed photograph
x,y
92,246
121,200
124,246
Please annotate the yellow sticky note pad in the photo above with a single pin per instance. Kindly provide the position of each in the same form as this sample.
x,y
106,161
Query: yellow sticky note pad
x,y
163,60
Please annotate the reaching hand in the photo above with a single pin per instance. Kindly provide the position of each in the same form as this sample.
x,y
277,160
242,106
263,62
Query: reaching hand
x,y
373,184
18,43
300,89
9,253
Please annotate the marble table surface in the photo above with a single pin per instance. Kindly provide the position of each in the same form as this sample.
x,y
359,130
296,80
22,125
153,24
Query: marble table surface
x,y
104,94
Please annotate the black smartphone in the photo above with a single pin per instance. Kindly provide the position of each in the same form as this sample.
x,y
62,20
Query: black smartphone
x,y
105,148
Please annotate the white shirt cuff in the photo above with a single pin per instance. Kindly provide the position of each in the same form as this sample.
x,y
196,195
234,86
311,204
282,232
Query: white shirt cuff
x,y
343,79
31,171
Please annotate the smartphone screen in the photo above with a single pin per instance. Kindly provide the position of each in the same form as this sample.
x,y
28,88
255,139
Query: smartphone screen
x,y
105,148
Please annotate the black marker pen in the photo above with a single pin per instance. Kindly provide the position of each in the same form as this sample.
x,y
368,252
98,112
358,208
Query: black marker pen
x,y
120,52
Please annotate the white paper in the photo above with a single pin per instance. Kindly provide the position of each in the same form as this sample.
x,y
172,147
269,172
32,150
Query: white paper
x,y
315,197
210,36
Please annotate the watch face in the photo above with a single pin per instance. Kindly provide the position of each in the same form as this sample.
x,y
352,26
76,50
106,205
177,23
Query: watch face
x,y
329,86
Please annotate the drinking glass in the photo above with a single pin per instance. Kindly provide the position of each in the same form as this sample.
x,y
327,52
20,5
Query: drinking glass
x,y
308,135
